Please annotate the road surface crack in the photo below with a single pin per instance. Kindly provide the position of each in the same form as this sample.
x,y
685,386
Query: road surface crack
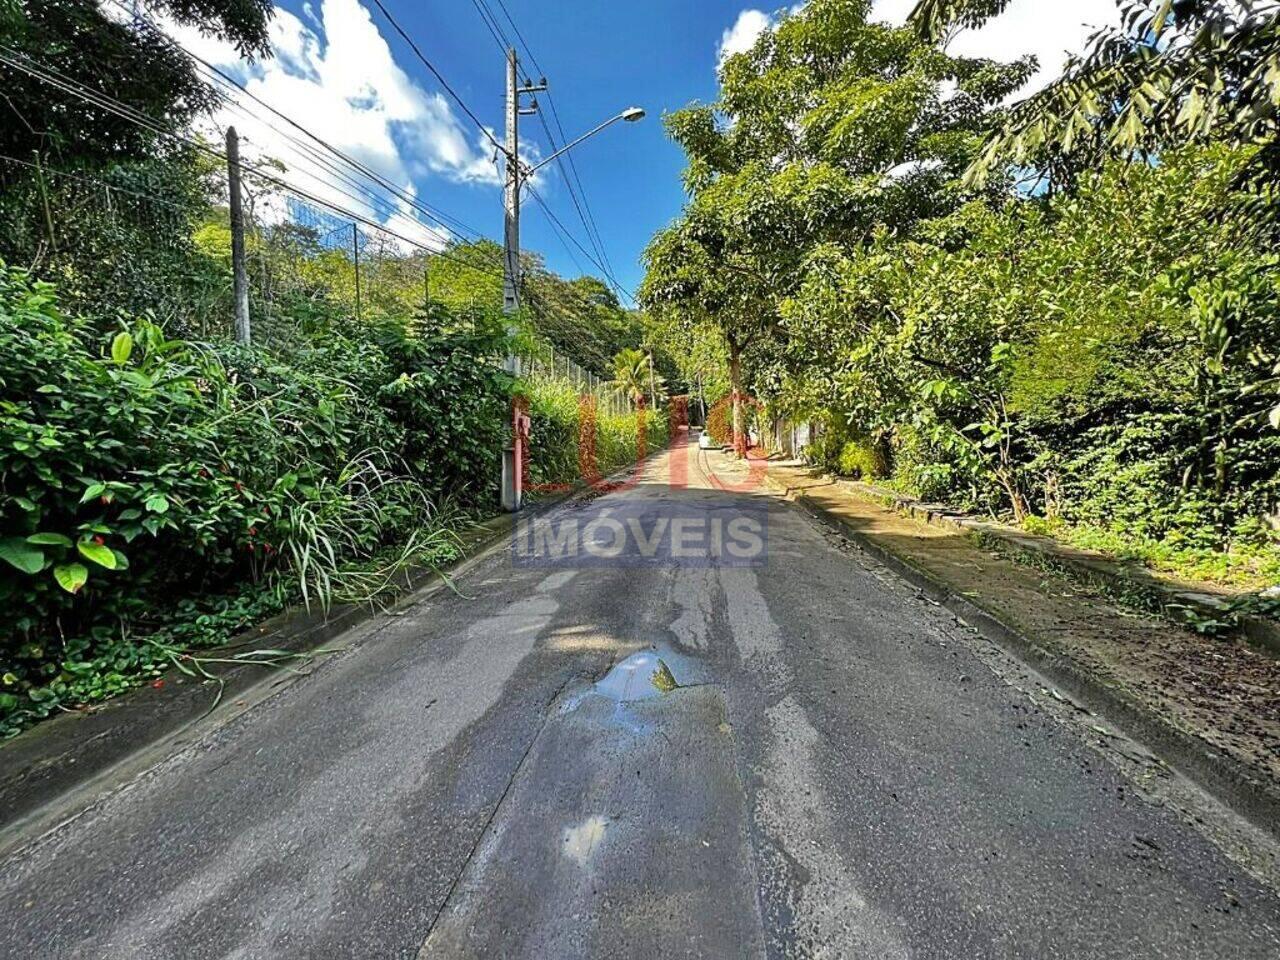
x,y
493,814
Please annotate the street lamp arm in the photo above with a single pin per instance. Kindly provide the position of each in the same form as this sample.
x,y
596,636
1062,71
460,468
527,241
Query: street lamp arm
x,y
631,116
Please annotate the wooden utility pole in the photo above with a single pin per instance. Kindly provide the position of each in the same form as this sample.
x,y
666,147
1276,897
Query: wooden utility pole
x,y
239,273
355,257
44,200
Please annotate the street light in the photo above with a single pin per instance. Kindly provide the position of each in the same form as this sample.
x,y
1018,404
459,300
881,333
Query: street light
x,y
629,115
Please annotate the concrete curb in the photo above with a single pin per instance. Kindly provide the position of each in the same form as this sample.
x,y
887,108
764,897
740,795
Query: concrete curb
x,y
44,770
1229,781
1130,579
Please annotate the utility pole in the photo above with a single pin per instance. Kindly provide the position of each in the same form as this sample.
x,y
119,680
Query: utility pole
x,y
511,195
653,385
512,457
239,273
514,181
355,258
44,201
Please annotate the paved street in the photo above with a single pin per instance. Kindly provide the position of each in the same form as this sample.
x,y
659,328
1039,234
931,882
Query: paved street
x,y
801,758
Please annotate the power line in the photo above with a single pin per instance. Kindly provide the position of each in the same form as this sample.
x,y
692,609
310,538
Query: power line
x,y
95,181
220,76
592,229
490,21
555,221
437,74
591,238
584,211
116,107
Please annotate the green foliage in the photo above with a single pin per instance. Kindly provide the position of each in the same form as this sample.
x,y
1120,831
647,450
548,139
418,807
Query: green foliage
x,y
830,129
571,440
720,424
114,59
139,470
1103,357
635,377
1101,354
1172,74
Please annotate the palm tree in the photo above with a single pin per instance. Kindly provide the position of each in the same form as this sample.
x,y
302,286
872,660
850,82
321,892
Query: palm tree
x,y
634,376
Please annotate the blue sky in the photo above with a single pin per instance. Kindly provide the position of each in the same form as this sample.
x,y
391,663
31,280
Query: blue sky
x,y
342,72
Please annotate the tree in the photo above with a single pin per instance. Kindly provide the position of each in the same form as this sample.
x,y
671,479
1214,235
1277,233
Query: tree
x,y
1177,71
634,376
93,47
830,128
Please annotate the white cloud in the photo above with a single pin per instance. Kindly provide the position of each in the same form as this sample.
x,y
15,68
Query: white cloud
x,y
743,34
1052,31
337,78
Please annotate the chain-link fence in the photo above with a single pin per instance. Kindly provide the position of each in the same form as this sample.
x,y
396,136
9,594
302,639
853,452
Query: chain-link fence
x,y
560,369
149,240
161,243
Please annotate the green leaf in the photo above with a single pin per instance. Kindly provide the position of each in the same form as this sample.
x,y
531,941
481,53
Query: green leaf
x,y
97,552
157,504
50,539
18,553
1275,418
71,577
121,348
94,491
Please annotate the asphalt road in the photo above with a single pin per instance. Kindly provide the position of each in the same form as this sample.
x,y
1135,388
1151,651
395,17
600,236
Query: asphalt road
x,y
786,755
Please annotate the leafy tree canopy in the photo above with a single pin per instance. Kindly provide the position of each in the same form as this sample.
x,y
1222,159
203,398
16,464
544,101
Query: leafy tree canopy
x,y
830,128
87,47
1175,71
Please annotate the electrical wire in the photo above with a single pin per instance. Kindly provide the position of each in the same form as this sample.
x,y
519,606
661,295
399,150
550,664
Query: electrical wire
x,y
437,74
51,76
219,76
555,222
111,105
94,181
490,21
588,220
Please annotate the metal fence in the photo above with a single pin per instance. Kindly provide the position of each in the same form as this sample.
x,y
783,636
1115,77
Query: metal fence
x,y
560,369
126,237
114,237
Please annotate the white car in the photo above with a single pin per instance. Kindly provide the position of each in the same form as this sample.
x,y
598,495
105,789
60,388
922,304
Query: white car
x,y
705,442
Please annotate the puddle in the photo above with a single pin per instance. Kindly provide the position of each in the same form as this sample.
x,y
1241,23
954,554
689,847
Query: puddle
x,y
642,676
580,842
639,677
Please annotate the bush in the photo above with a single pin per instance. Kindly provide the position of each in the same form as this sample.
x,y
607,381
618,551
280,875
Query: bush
x,y
142,475
568,435
720,423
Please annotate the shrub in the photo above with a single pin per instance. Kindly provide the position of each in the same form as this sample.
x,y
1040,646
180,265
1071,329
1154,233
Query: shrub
x,y
559,453
145,477
720,423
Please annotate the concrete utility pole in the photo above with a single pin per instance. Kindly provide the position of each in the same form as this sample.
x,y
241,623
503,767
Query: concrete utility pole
x,y
514,181
511,195
239,273
511,494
